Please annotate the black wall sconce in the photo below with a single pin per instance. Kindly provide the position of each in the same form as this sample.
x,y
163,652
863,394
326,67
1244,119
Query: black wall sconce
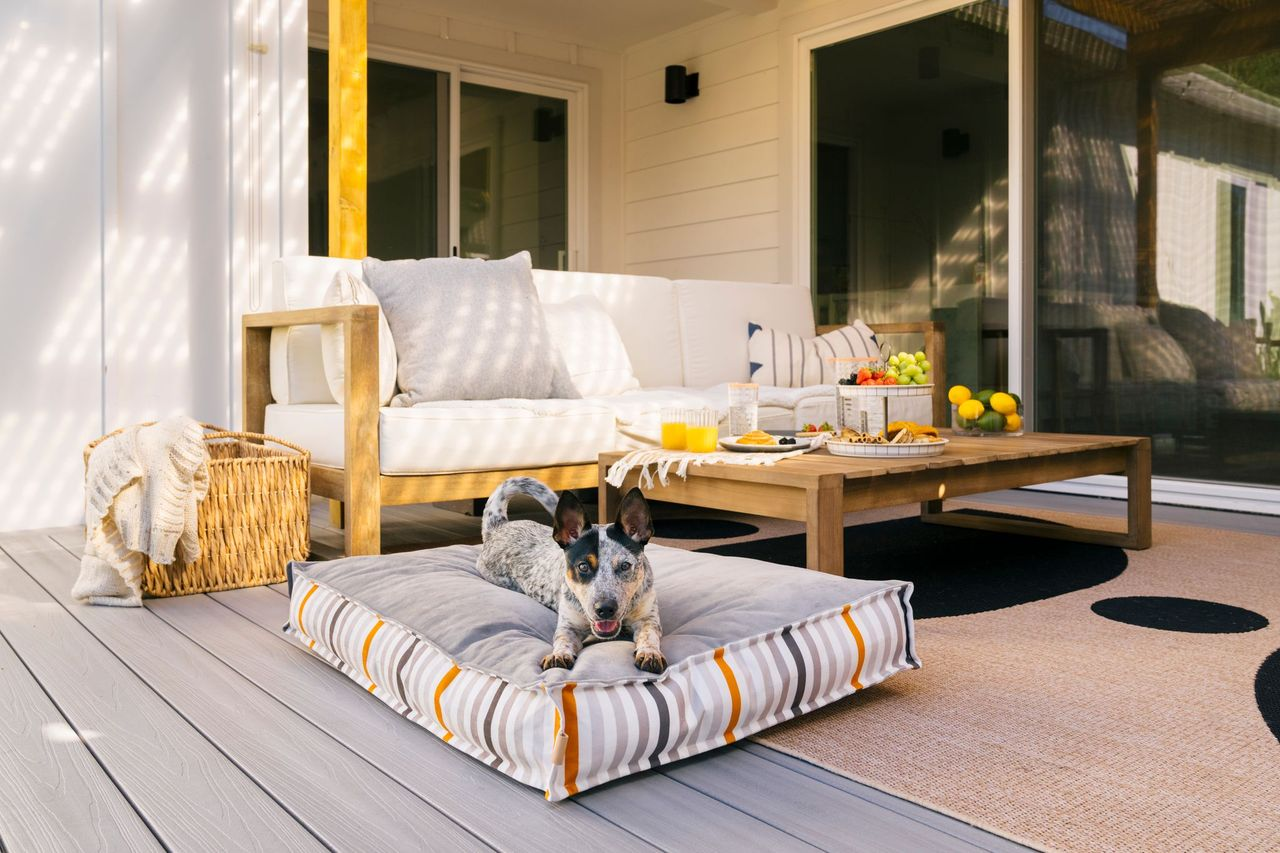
x,y
547,124
681,85
955,143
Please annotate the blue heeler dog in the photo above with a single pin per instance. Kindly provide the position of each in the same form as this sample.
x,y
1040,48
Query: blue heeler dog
x,y
597,579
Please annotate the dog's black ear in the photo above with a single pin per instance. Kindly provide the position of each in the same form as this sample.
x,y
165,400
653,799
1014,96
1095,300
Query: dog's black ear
x,y
634,517
571,520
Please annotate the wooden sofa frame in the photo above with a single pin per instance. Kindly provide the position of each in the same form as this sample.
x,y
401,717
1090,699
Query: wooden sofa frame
x,y
358,490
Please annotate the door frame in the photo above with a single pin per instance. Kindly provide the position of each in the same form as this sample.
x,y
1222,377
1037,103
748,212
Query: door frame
x,y
573,92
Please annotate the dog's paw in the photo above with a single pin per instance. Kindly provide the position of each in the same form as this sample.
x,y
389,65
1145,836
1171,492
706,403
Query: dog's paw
x,y
558,661
650,661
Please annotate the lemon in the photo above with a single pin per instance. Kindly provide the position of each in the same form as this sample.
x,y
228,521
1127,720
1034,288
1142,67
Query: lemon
x,y
958,394
971,410
1012,422
1003,403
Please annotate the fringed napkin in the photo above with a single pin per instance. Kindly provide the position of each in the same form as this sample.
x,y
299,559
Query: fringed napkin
x,y
664,462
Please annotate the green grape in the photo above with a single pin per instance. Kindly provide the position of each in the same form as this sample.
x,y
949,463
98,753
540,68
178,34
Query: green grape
x,y
925,365
904,380
920,379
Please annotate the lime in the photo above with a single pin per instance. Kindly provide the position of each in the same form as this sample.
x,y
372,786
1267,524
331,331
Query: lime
x,y
991,422
984,395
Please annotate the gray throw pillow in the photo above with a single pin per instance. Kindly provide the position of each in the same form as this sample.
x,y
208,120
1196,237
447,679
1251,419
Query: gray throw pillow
x,y
468,330
1152,355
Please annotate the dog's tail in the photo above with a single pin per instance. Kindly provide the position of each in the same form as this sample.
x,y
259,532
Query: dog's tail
x,y
495,509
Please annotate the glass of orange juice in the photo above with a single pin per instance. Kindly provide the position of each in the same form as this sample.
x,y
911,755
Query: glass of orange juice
x,y
673,429
702,431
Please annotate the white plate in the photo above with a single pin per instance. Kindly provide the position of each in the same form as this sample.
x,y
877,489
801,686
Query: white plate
x,y
731,443
848,448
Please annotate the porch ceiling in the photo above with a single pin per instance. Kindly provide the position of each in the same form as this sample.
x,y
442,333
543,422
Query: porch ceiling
x,y
611,24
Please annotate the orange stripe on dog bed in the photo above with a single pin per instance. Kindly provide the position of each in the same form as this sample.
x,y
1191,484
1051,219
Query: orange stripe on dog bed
x,y
735,698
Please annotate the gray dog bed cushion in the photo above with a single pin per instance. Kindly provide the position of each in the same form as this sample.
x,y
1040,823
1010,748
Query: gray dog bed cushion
x,y
749,644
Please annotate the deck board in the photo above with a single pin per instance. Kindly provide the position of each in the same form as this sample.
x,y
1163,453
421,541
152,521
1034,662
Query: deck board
x,y
226,652
190,794
341,798
782,797
48,776
507,816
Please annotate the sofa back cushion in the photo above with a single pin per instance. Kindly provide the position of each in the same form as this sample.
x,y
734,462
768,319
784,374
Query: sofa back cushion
x,y
714,317
643,310
588,341
297,366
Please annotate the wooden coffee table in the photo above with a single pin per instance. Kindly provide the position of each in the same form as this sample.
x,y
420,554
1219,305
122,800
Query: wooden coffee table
x,y
819,488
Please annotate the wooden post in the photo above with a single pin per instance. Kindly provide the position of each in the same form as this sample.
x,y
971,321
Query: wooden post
x,y
362,480
1148,291
348,128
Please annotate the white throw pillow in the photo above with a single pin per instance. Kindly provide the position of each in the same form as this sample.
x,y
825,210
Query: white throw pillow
x,y
588,341
346,289
794,361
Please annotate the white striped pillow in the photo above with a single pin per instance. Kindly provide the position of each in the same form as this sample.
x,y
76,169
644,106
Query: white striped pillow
x,y
794,361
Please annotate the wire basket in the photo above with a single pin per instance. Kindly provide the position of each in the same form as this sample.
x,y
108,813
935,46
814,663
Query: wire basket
x,y
254,520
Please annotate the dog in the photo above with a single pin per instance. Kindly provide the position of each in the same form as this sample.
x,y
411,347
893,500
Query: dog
x,y
597,579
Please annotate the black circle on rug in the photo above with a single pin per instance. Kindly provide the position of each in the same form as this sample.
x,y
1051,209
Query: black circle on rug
x,y
1266,687
1188,615
956,571
701,528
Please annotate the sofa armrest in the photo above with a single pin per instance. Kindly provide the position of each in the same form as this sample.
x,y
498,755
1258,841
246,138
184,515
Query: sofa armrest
x,y
935,344
361,455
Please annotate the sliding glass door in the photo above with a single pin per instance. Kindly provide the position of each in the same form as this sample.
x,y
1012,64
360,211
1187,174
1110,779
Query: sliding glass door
x,y
1125,275
910,181
513,175
1158,127
506,150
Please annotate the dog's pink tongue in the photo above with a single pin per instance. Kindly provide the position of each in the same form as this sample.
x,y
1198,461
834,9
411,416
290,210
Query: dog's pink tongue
x,y
609,627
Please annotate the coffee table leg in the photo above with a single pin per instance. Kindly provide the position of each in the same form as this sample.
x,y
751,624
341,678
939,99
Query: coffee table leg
x,y
1137,470
824,524
609,497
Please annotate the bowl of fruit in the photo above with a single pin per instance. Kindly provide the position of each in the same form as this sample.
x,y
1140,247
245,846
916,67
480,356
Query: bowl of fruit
x,y
988,412
908,372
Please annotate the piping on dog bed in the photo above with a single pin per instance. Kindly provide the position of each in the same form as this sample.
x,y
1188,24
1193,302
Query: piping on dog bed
x,y
749,645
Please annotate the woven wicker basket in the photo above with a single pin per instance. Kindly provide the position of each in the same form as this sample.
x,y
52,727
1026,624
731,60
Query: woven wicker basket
x,y
255,519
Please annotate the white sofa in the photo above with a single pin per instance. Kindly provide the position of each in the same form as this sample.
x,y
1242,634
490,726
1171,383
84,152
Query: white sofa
x,y
685,340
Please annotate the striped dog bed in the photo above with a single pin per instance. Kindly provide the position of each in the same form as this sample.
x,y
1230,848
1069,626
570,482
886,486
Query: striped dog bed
x,y
750,644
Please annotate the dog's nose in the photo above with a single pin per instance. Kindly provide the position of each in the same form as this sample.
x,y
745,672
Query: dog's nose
x,y
606,609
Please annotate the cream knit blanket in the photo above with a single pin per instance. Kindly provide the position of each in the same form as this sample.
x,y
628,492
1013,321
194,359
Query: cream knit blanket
x,y
665,462
142,488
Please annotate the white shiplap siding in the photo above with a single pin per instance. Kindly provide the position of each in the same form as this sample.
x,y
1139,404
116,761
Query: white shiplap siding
x,y
701,179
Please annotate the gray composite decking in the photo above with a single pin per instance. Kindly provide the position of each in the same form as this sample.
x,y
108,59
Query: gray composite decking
x,y
194,724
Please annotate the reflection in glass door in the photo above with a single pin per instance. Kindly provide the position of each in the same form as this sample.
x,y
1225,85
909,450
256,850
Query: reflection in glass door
x,y
513,171
407,199
910,183
1159,231
511,162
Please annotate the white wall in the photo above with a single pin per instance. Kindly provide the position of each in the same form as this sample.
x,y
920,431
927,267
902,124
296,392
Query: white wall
x,y
141,198
707,184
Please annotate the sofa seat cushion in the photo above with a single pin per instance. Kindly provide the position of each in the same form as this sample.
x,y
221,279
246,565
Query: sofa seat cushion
x,y
425,634
453,435
1241,395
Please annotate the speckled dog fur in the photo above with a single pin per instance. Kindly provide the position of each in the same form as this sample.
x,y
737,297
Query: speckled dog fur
x,y
597,579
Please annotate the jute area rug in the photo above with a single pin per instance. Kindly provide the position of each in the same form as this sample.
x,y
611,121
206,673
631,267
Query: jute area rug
x,y
1064,729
